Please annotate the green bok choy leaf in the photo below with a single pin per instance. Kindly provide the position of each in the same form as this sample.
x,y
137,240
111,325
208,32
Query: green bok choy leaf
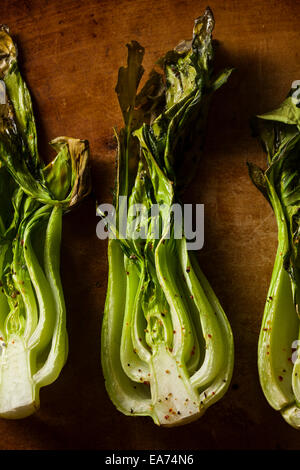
x,y
167,346
278,360
33,198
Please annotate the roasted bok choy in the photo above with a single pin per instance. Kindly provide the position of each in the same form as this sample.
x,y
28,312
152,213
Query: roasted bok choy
x,y
33,198
167,346
278,359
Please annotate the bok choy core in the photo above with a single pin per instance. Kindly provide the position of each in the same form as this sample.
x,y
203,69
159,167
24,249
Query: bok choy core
x,y
167,347
33,198
278,361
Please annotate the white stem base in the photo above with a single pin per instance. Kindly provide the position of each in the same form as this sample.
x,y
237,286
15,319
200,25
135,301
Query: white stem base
x,y
17,390
175,401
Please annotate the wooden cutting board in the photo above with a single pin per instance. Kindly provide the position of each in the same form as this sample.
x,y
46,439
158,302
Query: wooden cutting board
x,y
70,52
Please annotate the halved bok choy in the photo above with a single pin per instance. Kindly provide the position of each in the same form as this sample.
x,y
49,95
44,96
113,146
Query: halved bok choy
x,y
33,198
167,346
278,358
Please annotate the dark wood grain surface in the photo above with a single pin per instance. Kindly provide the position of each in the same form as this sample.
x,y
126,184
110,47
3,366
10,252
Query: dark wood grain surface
x,y
70,52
